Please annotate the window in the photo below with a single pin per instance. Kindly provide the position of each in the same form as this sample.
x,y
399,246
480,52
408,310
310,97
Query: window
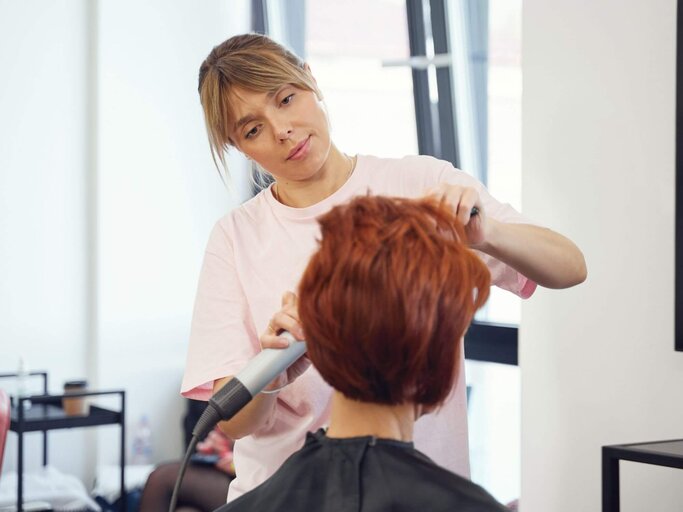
x,y
370,104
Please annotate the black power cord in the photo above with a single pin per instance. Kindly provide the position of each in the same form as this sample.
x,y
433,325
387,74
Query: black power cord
x,y
222,406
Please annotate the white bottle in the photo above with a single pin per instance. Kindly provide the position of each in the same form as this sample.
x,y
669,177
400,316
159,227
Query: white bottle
x,y
142,442
22,384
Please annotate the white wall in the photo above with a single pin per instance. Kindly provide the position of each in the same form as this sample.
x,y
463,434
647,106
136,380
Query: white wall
x,y
43,154
158,196
107,196
598,365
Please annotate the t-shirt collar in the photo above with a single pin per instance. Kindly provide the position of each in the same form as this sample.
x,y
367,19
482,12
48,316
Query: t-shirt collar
x,y
338,196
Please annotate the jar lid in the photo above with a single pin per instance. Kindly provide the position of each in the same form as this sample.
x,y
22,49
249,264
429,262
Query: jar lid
x,y
75,383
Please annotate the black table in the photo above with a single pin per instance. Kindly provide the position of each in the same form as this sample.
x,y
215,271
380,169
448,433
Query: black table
x,y
659,453
46,413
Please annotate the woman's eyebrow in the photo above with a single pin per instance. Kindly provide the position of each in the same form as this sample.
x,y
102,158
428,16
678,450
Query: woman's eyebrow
x,y
244,120
277,91
250,117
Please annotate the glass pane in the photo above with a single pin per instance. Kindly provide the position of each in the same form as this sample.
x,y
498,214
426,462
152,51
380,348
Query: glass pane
x,y
371,107
504,173
490,144
502,307
493,414
485,42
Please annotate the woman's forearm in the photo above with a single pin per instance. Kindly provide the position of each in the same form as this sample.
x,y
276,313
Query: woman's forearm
x,y
542,255
251,418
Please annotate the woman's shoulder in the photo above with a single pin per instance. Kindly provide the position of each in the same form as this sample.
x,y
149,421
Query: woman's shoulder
x,y
406,175
250,211
407,162
244,218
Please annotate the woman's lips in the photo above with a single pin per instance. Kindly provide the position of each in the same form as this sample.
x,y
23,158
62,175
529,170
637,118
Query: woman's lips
x,y
301,150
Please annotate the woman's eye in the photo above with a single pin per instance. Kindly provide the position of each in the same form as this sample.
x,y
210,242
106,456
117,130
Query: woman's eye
x,y
251,133
288,99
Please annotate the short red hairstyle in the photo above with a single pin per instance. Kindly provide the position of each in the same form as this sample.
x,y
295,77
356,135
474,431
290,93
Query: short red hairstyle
x,y
387,297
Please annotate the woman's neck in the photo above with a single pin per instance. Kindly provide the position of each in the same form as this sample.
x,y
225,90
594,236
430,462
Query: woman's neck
x,y
334,173
351,418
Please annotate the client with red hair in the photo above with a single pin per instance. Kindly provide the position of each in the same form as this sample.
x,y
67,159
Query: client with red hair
x,y
384,303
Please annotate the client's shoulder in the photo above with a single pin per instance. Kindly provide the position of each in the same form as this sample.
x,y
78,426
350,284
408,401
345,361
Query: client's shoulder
x,y
291,488
414,480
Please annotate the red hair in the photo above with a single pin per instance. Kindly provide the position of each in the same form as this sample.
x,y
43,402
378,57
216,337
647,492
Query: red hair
x,y
387,297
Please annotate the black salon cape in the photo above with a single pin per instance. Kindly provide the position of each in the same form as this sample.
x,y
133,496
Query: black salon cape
x,y
362,474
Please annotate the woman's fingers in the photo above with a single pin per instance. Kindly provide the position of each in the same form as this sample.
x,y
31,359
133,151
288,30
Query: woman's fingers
x,y
289,299
461,199
288,316
287,319
468,199
273,341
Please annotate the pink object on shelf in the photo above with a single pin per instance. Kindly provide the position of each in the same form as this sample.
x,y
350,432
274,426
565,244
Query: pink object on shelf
x,y
5,413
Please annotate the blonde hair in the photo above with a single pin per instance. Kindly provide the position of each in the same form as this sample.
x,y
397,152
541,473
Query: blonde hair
x,y
249,61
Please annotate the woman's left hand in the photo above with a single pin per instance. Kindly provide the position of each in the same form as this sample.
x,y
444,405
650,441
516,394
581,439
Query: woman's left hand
x,y
463,200
287,319
542,255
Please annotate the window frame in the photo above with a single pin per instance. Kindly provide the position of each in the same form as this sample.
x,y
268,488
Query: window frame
x,y
678,271
438,137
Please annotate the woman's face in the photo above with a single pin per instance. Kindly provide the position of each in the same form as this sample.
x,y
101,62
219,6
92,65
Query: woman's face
x,y
287,132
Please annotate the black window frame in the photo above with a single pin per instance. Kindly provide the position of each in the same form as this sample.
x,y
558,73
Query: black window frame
x,y
437,136
678,259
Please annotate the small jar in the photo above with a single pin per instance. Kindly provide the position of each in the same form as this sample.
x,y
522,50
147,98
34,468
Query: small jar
x,y
74,406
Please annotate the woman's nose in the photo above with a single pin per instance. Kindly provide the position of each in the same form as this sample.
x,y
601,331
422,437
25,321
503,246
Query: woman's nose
x,y
283,134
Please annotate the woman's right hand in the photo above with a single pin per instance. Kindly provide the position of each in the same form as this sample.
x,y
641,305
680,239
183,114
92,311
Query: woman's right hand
x,y
259,412
287,319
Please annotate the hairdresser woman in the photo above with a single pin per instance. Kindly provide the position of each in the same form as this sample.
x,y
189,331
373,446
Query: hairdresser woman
x,y
262,100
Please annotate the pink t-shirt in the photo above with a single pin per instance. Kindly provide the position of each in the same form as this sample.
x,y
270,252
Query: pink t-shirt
x,y
256,253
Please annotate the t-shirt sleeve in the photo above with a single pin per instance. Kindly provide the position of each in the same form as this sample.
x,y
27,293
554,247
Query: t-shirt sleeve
x,y
222,337
502,275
